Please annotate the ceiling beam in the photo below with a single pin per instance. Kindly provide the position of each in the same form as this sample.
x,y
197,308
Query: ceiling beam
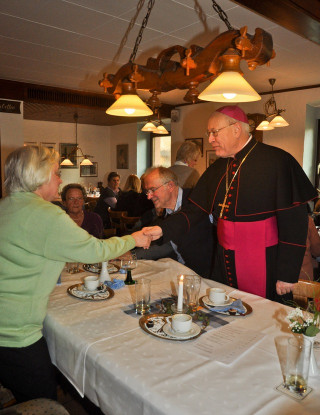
x,y
299,16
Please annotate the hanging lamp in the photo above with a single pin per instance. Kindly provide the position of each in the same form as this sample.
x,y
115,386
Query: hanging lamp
x,y
230,86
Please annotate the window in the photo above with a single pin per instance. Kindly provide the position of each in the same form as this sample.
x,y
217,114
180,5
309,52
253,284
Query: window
x,y
161,150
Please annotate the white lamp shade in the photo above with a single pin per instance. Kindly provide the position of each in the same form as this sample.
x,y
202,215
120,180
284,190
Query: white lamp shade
x,y
149,126
86,162
66,162
229,86
161,130
278,121
129,105
265,126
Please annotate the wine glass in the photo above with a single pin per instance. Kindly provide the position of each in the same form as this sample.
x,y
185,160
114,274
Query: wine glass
x,y
129,263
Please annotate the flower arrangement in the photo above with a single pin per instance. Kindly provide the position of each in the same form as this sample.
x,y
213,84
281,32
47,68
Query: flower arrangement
x,y
306,323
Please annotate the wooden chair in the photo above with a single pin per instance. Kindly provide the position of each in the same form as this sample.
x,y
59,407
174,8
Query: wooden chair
x,y
108,233
128,222
115,219
90,205
305,290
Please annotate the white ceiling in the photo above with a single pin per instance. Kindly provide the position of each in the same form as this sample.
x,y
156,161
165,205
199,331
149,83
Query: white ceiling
x,y
71,43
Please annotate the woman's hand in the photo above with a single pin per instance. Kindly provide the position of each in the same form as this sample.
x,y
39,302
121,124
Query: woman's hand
x,y
154,232
141,239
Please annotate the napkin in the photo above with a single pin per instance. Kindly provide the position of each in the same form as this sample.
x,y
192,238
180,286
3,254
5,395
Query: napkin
x,y
236,305
115,284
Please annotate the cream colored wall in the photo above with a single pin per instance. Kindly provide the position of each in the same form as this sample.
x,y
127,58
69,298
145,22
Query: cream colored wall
x,y
11,135
123,134
92,139
193,124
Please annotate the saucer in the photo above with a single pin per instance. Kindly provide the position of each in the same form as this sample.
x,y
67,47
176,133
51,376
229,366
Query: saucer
x,y
79,291
207,301
193,332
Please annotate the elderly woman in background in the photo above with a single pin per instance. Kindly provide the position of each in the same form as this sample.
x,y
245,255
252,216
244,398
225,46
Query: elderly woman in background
x,y
73,196
36,239
132,200
187,157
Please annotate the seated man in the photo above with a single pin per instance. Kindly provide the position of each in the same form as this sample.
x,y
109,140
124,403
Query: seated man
x,y
108,198
194,249
73,196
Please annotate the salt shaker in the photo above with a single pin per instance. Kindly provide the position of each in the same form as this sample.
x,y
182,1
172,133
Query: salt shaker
x,y
104,274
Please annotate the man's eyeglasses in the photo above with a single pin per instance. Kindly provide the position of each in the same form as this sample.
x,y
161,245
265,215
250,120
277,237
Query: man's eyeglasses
x,y
72,199
154,189
216,132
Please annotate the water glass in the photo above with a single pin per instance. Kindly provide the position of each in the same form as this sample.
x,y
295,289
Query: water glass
x,y
192,285
297,369
142,286
72,267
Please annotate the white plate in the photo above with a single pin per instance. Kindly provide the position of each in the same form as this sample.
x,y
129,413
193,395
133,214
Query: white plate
x,y
193,332
79,291
96,268
207,301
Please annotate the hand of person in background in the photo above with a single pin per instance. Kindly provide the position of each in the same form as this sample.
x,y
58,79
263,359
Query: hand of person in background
x,y
283,287
154,232
141,239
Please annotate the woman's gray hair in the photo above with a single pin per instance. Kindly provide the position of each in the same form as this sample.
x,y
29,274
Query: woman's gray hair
x,y
29,167
188,151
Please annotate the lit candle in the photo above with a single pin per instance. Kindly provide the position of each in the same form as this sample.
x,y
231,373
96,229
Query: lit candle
x,y
180,294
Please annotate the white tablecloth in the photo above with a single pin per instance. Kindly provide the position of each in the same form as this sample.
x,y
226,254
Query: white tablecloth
x,y
126,371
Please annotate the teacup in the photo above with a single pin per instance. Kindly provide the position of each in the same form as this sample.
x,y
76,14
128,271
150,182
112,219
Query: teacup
x,y
91,282
181,323
218,295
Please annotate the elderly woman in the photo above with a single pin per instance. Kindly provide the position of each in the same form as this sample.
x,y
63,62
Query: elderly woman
x,y
36,239
73,196
187,157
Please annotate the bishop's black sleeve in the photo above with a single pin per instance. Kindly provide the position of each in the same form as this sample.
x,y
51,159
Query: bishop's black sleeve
x,y
293,230
175,226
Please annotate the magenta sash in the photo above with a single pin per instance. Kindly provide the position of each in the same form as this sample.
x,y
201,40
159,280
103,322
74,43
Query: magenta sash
x,y
249,241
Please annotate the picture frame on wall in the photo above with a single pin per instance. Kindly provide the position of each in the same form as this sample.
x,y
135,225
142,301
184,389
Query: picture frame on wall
x,y
89,171
211,157
198,141
67,150
30,143
122,156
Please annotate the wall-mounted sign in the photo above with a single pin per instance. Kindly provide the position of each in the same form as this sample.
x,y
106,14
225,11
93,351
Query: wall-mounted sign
x,y
12,107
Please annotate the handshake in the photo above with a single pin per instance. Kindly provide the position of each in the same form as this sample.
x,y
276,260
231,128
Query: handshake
x,y
144,237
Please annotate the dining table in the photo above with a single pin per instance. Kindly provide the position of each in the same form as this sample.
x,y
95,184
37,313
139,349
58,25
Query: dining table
x,y
234,366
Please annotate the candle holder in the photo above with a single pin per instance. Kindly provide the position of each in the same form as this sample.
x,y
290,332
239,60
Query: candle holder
x,y
174,309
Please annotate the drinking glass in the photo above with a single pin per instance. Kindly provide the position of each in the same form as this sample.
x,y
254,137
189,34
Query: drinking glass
x,y
192,285
142,286
128,264
298,360
72,267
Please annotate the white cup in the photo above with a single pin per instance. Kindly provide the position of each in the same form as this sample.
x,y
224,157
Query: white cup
x,y
218,295
91,282
181,323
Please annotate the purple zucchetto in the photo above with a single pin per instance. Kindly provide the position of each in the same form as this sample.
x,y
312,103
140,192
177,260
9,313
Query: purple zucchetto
x,y
235,112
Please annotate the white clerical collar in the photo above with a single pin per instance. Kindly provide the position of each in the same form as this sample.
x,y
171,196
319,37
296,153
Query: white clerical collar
x,y
180,163
250,136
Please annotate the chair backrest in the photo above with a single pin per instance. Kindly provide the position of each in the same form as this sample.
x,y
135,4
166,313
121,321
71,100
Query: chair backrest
x,y
108,233
304,290
128,222
115,219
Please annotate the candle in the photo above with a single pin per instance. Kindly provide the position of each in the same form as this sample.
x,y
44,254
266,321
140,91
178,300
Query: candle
x,y
180,294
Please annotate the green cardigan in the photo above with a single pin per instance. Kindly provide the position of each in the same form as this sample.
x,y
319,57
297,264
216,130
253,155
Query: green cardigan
x,y
36,239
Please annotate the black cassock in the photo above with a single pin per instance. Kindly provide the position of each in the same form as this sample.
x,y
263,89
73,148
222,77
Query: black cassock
x,y
263,227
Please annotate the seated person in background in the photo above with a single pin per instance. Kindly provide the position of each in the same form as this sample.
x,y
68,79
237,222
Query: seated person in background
x,y
187,156
132,200
73,196
108,198
312,251
194,249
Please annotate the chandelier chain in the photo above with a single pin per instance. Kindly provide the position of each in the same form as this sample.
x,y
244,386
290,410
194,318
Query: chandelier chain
x,y
143,26
222,14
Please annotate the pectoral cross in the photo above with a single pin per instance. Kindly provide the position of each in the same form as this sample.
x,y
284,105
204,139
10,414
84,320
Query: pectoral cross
x,y
222,205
